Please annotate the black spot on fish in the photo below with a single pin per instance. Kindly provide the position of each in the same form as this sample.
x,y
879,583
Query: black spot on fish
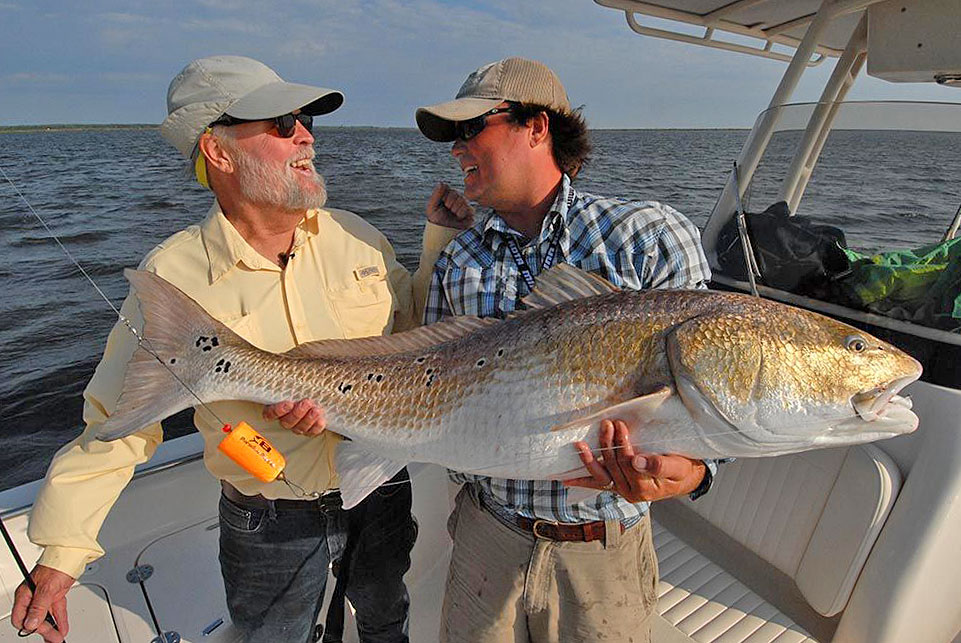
x,y
430,380
380,378
429,371
206,348
370,376
200,340
344,387
215,341
226,367
481,362
420,360
173,360
220,362
500,352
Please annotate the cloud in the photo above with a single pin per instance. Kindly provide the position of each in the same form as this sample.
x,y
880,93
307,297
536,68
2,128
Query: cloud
x,y
35,78
226,25
131,77
126,18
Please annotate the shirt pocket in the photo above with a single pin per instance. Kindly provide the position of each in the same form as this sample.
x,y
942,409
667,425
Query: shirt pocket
x,y
365,304
243,324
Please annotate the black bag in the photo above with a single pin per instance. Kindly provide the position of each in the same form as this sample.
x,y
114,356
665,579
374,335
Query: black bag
x,y
792,253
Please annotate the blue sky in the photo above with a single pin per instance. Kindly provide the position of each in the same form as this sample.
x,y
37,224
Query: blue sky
x,y
103,61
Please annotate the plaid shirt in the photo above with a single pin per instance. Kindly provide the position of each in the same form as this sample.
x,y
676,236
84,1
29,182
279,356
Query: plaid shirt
x,y
631,244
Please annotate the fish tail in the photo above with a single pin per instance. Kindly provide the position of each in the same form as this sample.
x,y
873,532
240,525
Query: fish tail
x,y
180,349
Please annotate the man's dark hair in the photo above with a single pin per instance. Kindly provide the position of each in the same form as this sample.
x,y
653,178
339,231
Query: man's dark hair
x,y
571,145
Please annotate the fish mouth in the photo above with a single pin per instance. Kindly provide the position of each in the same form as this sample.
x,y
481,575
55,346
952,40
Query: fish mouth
x,y
887,410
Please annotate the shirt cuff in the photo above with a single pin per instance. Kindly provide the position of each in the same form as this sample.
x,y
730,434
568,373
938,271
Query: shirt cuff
x,y
69,560
436,237
710,468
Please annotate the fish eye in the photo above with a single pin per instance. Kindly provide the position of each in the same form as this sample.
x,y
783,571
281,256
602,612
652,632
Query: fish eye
x,y
855,343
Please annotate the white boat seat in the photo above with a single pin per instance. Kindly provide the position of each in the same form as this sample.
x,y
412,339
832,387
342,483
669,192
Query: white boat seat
x,y
773,551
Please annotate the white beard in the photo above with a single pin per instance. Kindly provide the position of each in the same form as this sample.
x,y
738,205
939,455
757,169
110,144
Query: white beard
x,y
267,184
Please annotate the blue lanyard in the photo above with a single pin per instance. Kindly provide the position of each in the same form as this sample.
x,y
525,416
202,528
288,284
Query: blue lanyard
x,y
549,257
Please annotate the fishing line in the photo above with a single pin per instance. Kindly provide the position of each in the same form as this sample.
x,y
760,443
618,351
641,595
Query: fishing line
x,y
142,342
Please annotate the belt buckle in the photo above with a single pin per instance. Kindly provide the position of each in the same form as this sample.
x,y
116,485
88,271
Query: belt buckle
x,y
539,522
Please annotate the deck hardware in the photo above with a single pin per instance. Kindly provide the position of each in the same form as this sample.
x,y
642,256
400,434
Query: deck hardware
x,y
167,637
140,573
213,626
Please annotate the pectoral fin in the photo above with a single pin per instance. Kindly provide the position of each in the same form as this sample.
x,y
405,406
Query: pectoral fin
x,y
361,472
634,412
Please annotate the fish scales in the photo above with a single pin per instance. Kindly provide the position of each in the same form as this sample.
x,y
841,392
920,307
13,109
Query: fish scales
x,y
703,373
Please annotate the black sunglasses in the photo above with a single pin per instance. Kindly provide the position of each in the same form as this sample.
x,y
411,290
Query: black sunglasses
x,y
285,124
466,130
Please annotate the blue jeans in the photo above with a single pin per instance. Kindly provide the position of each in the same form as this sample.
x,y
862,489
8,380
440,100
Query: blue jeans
x,y
275,559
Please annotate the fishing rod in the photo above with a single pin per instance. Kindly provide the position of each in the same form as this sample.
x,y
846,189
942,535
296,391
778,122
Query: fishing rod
x,y
26,577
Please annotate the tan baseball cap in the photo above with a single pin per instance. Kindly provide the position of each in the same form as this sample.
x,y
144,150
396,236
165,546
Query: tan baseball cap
x,y
513,79
241,87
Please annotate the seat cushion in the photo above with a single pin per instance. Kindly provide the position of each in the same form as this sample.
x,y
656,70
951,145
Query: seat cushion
x,y
814,516
708,605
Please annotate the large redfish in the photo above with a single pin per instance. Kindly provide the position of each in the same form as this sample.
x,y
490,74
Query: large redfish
x,y
701,373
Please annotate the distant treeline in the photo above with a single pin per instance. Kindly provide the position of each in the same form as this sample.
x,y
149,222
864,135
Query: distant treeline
x,y
11,129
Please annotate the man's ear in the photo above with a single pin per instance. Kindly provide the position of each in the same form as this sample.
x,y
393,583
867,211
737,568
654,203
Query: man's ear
x,y
216,154
540,129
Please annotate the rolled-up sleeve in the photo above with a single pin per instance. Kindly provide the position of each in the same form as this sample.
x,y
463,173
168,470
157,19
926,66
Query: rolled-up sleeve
x,y
411,292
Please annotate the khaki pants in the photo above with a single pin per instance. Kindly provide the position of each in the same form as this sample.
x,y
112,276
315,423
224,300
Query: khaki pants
x,y
505,586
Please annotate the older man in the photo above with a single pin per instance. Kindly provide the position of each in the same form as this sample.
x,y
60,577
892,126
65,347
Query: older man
x,y
279,269
529,562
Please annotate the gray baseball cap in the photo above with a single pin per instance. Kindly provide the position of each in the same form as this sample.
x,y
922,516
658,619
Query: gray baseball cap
x,y
208,88
513,79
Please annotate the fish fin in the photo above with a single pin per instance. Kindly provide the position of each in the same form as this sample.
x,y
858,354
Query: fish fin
x,y
634,412
361,472
566,283
411,340
174,325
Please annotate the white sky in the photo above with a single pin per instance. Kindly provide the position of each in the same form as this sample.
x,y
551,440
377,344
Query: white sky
x,y
106,61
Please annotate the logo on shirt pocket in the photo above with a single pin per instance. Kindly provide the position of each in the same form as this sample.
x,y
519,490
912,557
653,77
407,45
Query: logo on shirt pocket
x,y
366,273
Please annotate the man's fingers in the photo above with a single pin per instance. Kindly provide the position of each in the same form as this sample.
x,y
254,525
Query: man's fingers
x,y
458,205
598,473
274,411
51,634
622,441
297,411
312,423
435,197
37,612
21,600
59,611
586,481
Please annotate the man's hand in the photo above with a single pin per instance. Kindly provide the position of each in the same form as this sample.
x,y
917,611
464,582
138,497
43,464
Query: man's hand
x,y
303,417
30,608
448,207
637,477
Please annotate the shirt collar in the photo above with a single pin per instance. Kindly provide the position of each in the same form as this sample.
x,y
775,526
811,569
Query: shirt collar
x,y
226,248
496,229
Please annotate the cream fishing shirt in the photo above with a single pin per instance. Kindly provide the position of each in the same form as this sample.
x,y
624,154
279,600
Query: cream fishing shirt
x,y
342,281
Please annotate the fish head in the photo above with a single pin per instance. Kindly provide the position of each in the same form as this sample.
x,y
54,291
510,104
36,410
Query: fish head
x,y
769,379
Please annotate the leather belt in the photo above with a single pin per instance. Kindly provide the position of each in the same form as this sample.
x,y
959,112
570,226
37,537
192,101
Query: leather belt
x,y
549,530
281,504
566,532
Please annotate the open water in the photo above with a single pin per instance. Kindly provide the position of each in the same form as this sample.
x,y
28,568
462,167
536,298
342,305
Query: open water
x,y
111,195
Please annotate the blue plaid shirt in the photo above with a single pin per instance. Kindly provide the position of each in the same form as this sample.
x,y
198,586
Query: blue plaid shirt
x,y
631,244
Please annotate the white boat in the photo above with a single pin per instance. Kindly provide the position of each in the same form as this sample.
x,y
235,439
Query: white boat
x,y
852,545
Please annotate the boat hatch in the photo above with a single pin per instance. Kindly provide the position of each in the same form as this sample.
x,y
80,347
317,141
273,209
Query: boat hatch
x,y
90,618
183,584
